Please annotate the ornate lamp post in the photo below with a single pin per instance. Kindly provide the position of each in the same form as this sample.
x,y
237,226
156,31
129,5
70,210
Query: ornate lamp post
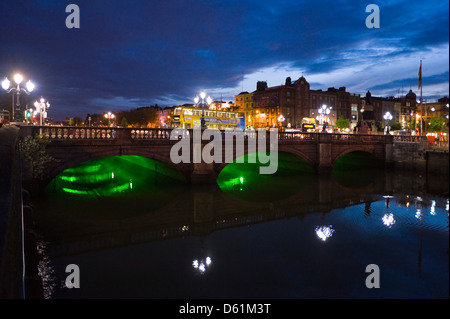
x,y
17,89
109,116
281,119
203,102
324,111
387,117
41,108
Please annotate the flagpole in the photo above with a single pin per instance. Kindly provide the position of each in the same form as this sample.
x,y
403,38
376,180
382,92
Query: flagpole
x,y
421,99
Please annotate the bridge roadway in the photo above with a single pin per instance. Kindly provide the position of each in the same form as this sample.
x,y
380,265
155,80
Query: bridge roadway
x,y
71,146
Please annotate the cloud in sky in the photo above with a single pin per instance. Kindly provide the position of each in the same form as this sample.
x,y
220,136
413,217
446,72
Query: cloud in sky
x,y
128,54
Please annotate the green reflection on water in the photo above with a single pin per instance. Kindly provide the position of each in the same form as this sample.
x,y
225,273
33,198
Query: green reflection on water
x,y
244,181
357,169
114,187
115,176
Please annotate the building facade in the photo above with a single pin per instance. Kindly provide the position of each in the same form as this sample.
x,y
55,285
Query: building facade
x,y
244,104
288,105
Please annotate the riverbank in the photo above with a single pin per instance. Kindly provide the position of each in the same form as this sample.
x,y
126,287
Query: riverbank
x,y
19,277
11,263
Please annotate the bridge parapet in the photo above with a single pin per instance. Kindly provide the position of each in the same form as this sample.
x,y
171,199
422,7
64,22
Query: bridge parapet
x,y
116,133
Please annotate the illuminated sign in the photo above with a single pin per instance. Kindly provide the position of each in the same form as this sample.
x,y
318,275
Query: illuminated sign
x,y
221,121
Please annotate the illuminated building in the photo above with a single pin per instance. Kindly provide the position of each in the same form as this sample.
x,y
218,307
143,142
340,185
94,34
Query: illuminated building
x,y
296,101
244,104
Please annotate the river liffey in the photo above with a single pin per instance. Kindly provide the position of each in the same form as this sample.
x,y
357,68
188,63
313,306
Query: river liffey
x,y
135,229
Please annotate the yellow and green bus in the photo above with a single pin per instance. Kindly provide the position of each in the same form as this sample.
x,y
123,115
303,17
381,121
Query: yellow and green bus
x,y
191,118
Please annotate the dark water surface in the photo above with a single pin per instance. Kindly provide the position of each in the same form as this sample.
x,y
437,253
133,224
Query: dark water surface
x,y
136,230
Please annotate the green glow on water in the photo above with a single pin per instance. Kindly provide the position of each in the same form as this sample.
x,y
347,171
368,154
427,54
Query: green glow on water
x,y
244,181
356,169
84,169
114,177
74,191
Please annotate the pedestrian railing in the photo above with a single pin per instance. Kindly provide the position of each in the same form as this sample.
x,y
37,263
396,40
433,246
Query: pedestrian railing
x,y
116,133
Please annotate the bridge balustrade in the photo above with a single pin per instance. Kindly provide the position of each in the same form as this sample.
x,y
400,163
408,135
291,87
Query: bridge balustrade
x,y
410,138
64,133
146,134
108,133
298,136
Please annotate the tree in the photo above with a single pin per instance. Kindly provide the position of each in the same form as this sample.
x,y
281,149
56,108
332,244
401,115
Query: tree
x,y
35,156
396,126
124,122
437,124
342,123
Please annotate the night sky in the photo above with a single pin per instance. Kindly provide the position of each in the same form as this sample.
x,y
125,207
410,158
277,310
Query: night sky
x,y
128,54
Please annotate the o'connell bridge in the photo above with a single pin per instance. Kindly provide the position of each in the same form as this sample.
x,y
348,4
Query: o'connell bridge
x,y
71,146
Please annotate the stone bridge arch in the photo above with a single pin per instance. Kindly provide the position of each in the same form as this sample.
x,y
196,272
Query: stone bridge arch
x,y
66,159
305,154
372,149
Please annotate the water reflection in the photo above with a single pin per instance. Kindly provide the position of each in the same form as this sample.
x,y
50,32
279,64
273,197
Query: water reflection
x,y
132,231
244,182
201,264
324,232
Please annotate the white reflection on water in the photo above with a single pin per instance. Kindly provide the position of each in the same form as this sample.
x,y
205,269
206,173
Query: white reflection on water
x,y
324,232
201,265
433,208
388,220
419,214
46,271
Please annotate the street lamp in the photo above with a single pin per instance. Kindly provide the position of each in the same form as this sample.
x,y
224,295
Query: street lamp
x,y
41,107
324,111
281,119
18,78
387,117
109,116
203,102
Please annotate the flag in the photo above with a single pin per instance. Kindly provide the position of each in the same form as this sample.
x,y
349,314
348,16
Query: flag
x,y
420,75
